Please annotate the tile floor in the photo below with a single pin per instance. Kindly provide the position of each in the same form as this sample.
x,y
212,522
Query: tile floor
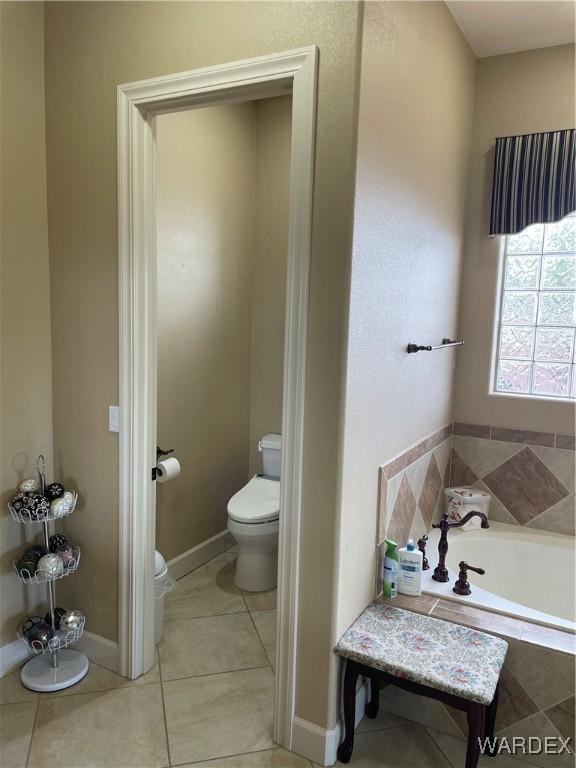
x,y
207,701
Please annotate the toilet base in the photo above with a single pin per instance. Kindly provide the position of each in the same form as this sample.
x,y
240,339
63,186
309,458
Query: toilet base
x,y
257,559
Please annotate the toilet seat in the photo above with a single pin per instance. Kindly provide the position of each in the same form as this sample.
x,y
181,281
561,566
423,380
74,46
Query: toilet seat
x,y
257,502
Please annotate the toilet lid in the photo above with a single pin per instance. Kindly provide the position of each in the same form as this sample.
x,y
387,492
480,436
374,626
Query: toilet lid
x,y
257,502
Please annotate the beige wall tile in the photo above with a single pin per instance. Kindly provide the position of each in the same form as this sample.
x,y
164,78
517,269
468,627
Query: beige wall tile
x,y
547,676
559,518
539,725
562,717
482,456
430,490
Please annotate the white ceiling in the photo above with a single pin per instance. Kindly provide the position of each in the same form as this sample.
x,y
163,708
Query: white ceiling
x,y
493,27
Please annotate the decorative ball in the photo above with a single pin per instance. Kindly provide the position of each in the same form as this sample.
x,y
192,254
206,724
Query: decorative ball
x,y
35,505
70,500
58,613
69,554
17,502
51,565
29,484
38,550
40,635
54,491
71,621
26,566
57,540
29,624
31,554
59,507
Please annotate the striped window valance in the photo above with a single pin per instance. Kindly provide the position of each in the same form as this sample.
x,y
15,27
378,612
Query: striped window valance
x,y
533,180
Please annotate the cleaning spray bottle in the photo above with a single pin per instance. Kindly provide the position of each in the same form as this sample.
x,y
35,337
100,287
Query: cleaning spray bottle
x,y
390,569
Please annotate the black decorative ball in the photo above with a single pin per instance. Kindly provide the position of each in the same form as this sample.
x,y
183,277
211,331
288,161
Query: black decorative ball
x,y
30,554
26,566
38,550
30,623
58,540
58,613
17,502
54,491
35,505
40,635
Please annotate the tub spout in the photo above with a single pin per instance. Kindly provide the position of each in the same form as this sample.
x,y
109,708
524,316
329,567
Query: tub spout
x,y
441,572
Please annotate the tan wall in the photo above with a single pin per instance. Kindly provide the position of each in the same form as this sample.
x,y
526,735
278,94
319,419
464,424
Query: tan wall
x,y
90,48
416,104
205,209
223,177
517,93
26,366
272,188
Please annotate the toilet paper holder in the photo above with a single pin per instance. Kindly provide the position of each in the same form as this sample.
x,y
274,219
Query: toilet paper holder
x,y
159,453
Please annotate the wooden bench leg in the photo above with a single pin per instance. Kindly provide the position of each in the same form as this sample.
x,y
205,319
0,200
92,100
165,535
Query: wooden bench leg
x,y
490,724
350,679
476,715
372,706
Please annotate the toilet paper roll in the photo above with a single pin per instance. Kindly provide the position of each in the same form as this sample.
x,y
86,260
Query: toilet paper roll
x,y
167,469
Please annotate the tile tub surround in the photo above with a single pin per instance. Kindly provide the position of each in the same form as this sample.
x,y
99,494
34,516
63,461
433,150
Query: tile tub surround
x,y
537,681
411,488
530,475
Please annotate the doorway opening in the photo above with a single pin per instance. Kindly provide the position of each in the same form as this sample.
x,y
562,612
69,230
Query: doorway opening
x,y
281,76
222,190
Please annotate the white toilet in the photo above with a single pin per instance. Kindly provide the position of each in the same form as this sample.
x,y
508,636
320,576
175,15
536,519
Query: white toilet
x,y
253,515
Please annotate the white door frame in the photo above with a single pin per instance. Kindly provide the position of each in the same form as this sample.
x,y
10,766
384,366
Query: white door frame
x,y
138,104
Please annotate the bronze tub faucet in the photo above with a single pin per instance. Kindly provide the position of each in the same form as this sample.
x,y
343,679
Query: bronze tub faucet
x,y
441,572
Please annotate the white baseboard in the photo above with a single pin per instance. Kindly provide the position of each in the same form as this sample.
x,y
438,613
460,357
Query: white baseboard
x,y
12,656
100,650
321,744
193,558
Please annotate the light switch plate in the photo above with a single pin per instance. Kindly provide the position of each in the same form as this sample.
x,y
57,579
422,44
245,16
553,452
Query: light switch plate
x,y
114,418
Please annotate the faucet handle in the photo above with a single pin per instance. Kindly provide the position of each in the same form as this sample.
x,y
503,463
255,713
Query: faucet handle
x,y
422,548
462,585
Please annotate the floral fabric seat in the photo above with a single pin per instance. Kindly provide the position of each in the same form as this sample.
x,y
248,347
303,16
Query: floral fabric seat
x,y
448,657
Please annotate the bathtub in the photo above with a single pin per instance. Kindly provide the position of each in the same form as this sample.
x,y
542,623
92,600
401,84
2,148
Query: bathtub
x,y
529,573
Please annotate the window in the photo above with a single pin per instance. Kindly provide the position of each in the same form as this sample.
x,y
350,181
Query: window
x,y
537,323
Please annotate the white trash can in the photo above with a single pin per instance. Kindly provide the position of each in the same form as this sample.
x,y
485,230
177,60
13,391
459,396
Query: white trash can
x,y
163,583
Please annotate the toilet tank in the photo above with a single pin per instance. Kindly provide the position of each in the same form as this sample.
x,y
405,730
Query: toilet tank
x,y
271,448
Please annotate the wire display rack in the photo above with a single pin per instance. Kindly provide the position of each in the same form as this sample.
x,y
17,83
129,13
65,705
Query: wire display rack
x,y
27,518
40,576
54,665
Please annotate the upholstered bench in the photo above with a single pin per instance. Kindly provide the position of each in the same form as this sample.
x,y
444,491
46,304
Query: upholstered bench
x,y
454,664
